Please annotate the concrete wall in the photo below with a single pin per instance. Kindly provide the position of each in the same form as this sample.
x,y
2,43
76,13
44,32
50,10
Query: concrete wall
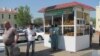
x,y
6,18
98,18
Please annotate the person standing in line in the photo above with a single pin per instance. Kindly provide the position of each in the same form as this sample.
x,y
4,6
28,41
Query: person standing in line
x,y
54,35
10,38
51,37
31,38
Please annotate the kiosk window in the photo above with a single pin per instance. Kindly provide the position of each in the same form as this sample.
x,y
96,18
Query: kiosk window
x,y
57,20
79,14
86,17
86,32
47,30
79,30
69,19
81,21
48,20
69,31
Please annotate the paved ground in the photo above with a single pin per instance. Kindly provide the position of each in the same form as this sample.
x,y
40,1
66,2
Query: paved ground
x,y
40,50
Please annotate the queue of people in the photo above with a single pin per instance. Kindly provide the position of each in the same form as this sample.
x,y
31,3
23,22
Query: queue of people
x,y
11,37
54,36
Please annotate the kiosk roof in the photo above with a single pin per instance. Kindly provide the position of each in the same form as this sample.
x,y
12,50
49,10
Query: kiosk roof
x,y
66,5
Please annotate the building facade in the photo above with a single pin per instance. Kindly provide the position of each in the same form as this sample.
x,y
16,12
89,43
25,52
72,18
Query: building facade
x,y
98,18
7,15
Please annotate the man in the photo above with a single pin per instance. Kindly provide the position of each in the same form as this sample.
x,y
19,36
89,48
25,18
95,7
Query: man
x,y
54,35
10,38
91,33
31,38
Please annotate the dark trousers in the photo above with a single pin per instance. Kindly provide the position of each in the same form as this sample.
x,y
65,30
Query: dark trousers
x,y
91,39
99,39
9,50
28,47
54,42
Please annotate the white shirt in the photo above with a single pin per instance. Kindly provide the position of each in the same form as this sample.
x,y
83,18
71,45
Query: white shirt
x,y
30,34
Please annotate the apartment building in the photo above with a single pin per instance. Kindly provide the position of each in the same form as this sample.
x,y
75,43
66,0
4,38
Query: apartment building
x,y
98,18
9,15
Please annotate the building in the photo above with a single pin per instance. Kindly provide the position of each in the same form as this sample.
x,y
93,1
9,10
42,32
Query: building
x,y
7,14
73,19
98,18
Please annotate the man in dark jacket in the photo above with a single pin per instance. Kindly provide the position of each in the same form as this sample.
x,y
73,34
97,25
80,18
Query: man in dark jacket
x,y
91,34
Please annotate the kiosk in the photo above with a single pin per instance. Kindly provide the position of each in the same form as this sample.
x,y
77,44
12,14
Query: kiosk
x,y
73,19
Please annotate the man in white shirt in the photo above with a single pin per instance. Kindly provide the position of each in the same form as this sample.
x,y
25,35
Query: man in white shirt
x,y
31,38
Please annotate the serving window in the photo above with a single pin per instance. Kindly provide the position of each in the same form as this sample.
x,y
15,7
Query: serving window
x,y
80,31
69,30
48,20
47,30
57,20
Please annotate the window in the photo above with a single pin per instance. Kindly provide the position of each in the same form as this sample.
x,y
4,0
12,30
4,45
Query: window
x,y
15,16
86,17
9,16
79,14
98,19
69,19
80,21
48,20
79,30
47,30
69,31
2,26
86,30
57,20
2,16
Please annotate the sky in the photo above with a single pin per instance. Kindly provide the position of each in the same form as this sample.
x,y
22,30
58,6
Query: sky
x,y
36,5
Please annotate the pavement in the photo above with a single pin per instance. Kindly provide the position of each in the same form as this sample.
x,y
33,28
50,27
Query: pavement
x,y
40,50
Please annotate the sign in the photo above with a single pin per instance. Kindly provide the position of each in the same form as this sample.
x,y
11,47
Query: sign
x,y
59,12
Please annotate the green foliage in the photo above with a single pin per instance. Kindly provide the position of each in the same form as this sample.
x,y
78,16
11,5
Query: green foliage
x,y
23,16
38,21
94,21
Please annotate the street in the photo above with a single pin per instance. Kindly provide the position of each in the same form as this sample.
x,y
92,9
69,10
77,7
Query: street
x,y
40,50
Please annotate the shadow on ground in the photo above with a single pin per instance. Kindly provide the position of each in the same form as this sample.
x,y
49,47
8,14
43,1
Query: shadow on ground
x,y
42,53
95,46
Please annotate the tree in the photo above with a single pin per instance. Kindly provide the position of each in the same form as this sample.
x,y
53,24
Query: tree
x,y
38,21
23,16
93,20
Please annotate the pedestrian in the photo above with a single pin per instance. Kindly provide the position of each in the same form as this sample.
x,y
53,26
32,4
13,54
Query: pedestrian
x,y
54,36
10,38
99,38
31,38
91,34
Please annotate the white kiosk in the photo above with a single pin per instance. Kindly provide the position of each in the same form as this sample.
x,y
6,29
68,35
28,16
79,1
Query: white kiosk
x,y
73,19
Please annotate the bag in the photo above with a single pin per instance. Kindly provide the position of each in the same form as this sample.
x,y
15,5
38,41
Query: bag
x,y
16,51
